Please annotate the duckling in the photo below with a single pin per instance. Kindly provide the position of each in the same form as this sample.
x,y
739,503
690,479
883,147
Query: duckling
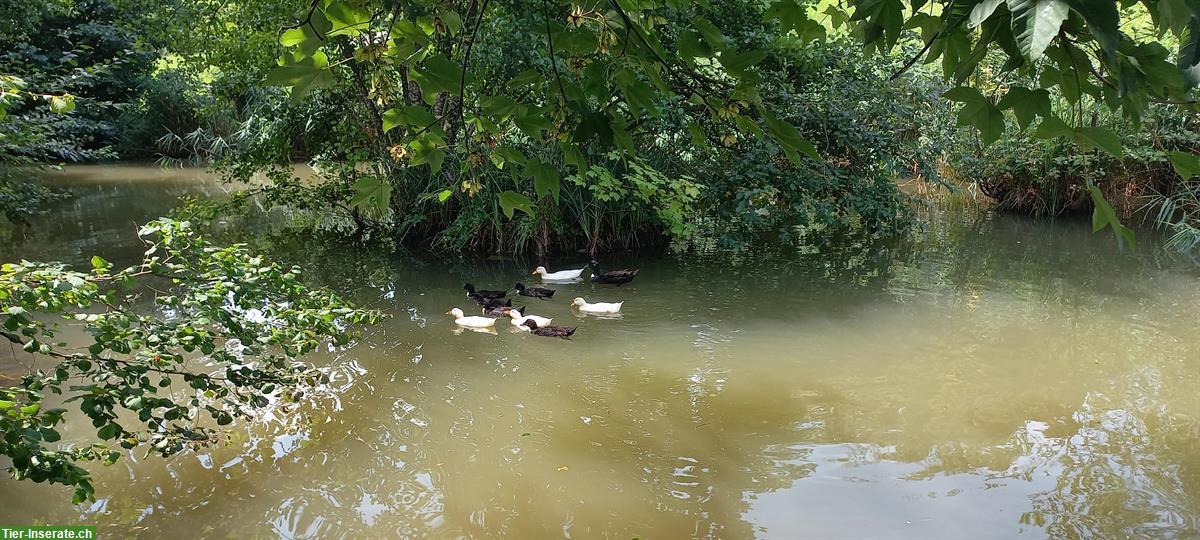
x,y
598,307
518,320
470,322
615,277
471,292
534,292
502,311
564,332
561,275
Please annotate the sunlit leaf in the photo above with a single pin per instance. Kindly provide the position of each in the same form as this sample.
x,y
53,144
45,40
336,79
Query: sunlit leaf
x,y
1036,23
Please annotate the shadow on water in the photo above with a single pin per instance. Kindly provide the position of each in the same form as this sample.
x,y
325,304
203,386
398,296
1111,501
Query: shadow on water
x,y
989,378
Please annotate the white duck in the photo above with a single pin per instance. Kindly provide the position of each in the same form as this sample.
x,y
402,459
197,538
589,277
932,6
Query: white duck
x,y
470,322
561,275
518,320
598,307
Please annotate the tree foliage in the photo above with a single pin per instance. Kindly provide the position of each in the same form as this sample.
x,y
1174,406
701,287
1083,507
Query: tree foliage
x,y
603,72
1082,51
221,341
608,69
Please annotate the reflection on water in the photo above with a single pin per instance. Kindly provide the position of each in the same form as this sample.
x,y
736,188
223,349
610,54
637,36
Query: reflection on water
x,y
994,378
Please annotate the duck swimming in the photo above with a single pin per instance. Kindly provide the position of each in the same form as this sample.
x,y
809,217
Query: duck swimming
x,y
598,307
519,320
561,275
615,277
470,322
534,292
490,303
502,311
471,292
550,331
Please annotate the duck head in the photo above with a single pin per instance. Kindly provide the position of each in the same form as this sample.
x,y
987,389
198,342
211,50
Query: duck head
x,y
539,271
514,314
469,288
519,286
578,302
532,325
457,313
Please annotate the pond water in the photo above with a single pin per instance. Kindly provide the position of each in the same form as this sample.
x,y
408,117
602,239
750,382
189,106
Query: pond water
x,y
996,378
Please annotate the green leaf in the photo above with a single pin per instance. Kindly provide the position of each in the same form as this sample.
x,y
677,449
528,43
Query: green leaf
x,y
709,30
305,39
1036,23
1104,216
443,195
1189,51
99,263
1103,22
439,75
1185,164
1026,104
639,95
62,104
109,431
692,45
453,21
532,121
1100,138
696,132
507,154
736,63
545,178
978,111
982,11
789,14
594,125
885,20
572,155
371,193
963,94
511,200
789,137
498,106
413,116
428,149
303,75
347,17
1052,127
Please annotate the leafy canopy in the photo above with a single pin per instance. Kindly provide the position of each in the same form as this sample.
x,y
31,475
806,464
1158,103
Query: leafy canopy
x,y
604,68
595,73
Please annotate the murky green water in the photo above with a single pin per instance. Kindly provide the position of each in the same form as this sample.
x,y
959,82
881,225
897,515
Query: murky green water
x,y
998,379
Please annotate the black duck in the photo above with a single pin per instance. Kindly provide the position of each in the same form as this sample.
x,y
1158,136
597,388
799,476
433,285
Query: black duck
x,y
550,331
534,292
615,277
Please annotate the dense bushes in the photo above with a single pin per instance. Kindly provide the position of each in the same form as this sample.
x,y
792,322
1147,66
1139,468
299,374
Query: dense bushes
x,y
739,191
1038,177
83,49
